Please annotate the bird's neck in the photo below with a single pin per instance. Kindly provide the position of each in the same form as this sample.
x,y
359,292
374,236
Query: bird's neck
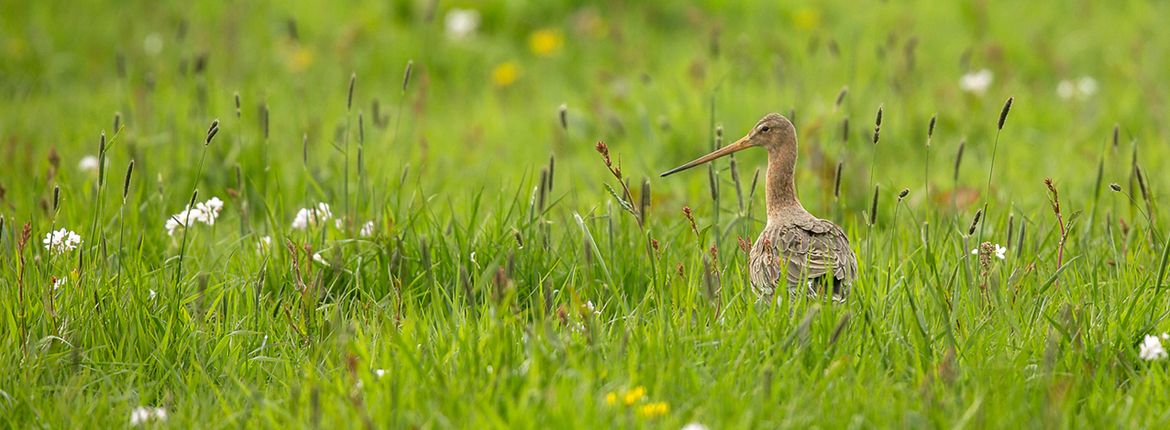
x,y
781,182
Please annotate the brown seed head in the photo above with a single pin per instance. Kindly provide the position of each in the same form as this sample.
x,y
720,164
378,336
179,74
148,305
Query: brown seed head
x,y
349,98
1007,107
406,74
975,222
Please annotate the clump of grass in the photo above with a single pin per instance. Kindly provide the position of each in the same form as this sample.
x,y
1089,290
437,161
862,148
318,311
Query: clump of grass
x,y
626,200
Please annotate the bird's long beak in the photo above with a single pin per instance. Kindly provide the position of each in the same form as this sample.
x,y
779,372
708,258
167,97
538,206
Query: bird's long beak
x,y
739,145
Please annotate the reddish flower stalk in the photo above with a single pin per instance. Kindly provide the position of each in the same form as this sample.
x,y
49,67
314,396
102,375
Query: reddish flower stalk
x,y
1055,197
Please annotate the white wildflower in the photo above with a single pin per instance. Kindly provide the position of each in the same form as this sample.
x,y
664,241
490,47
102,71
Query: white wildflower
x,y
175,222
265,243
461,23
153,294
152,44
379,373
210,210
694,426
59,282
1151,349
1066,90
976,82
367,229
205,212
1080,89
61,241
320,259
88,163
1087,86
999,251
312,217
141,415
592,308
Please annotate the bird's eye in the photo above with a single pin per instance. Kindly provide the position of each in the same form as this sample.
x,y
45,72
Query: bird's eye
x,y
764,129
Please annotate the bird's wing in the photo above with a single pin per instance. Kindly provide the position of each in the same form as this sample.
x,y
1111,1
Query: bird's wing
x,y
815,248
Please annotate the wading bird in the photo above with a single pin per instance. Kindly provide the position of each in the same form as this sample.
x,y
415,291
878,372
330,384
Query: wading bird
x,y
805,251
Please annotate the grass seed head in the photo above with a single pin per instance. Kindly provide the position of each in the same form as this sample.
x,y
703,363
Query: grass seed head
x,y
874,206
54,158
959,158
211,132
349,97
1141,180
552,158
406,75
361,128
1007,107
126,182
1116,135
975,222
644,205
837,180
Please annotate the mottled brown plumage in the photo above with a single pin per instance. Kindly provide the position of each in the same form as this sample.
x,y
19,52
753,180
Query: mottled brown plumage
x,y
802,251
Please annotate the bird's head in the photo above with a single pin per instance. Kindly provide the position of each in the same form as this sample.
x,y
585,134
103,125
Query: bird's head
x,y
772,132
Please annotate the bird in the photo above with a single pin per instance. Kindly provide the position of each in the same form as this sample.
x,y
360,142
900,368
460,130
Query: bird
x,y
796,249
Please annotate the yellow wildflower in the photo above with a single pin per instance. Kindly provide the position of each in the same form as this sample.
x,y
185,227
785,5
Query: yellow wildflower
x,y
807,18
653,409
611,398
634,395
299,58
505,74
545,42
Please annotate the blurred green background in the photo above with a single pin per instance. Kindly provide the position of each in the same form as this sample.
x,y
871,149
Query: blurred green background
x,y
642,76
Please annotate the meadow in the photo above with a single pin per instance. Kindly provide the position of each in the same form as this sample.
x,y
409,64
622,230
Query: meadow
x,y
397,214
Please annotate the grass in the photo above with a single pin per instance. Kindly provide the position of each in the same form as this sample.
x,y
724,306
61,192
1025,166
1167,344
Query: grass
x,y
500,291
